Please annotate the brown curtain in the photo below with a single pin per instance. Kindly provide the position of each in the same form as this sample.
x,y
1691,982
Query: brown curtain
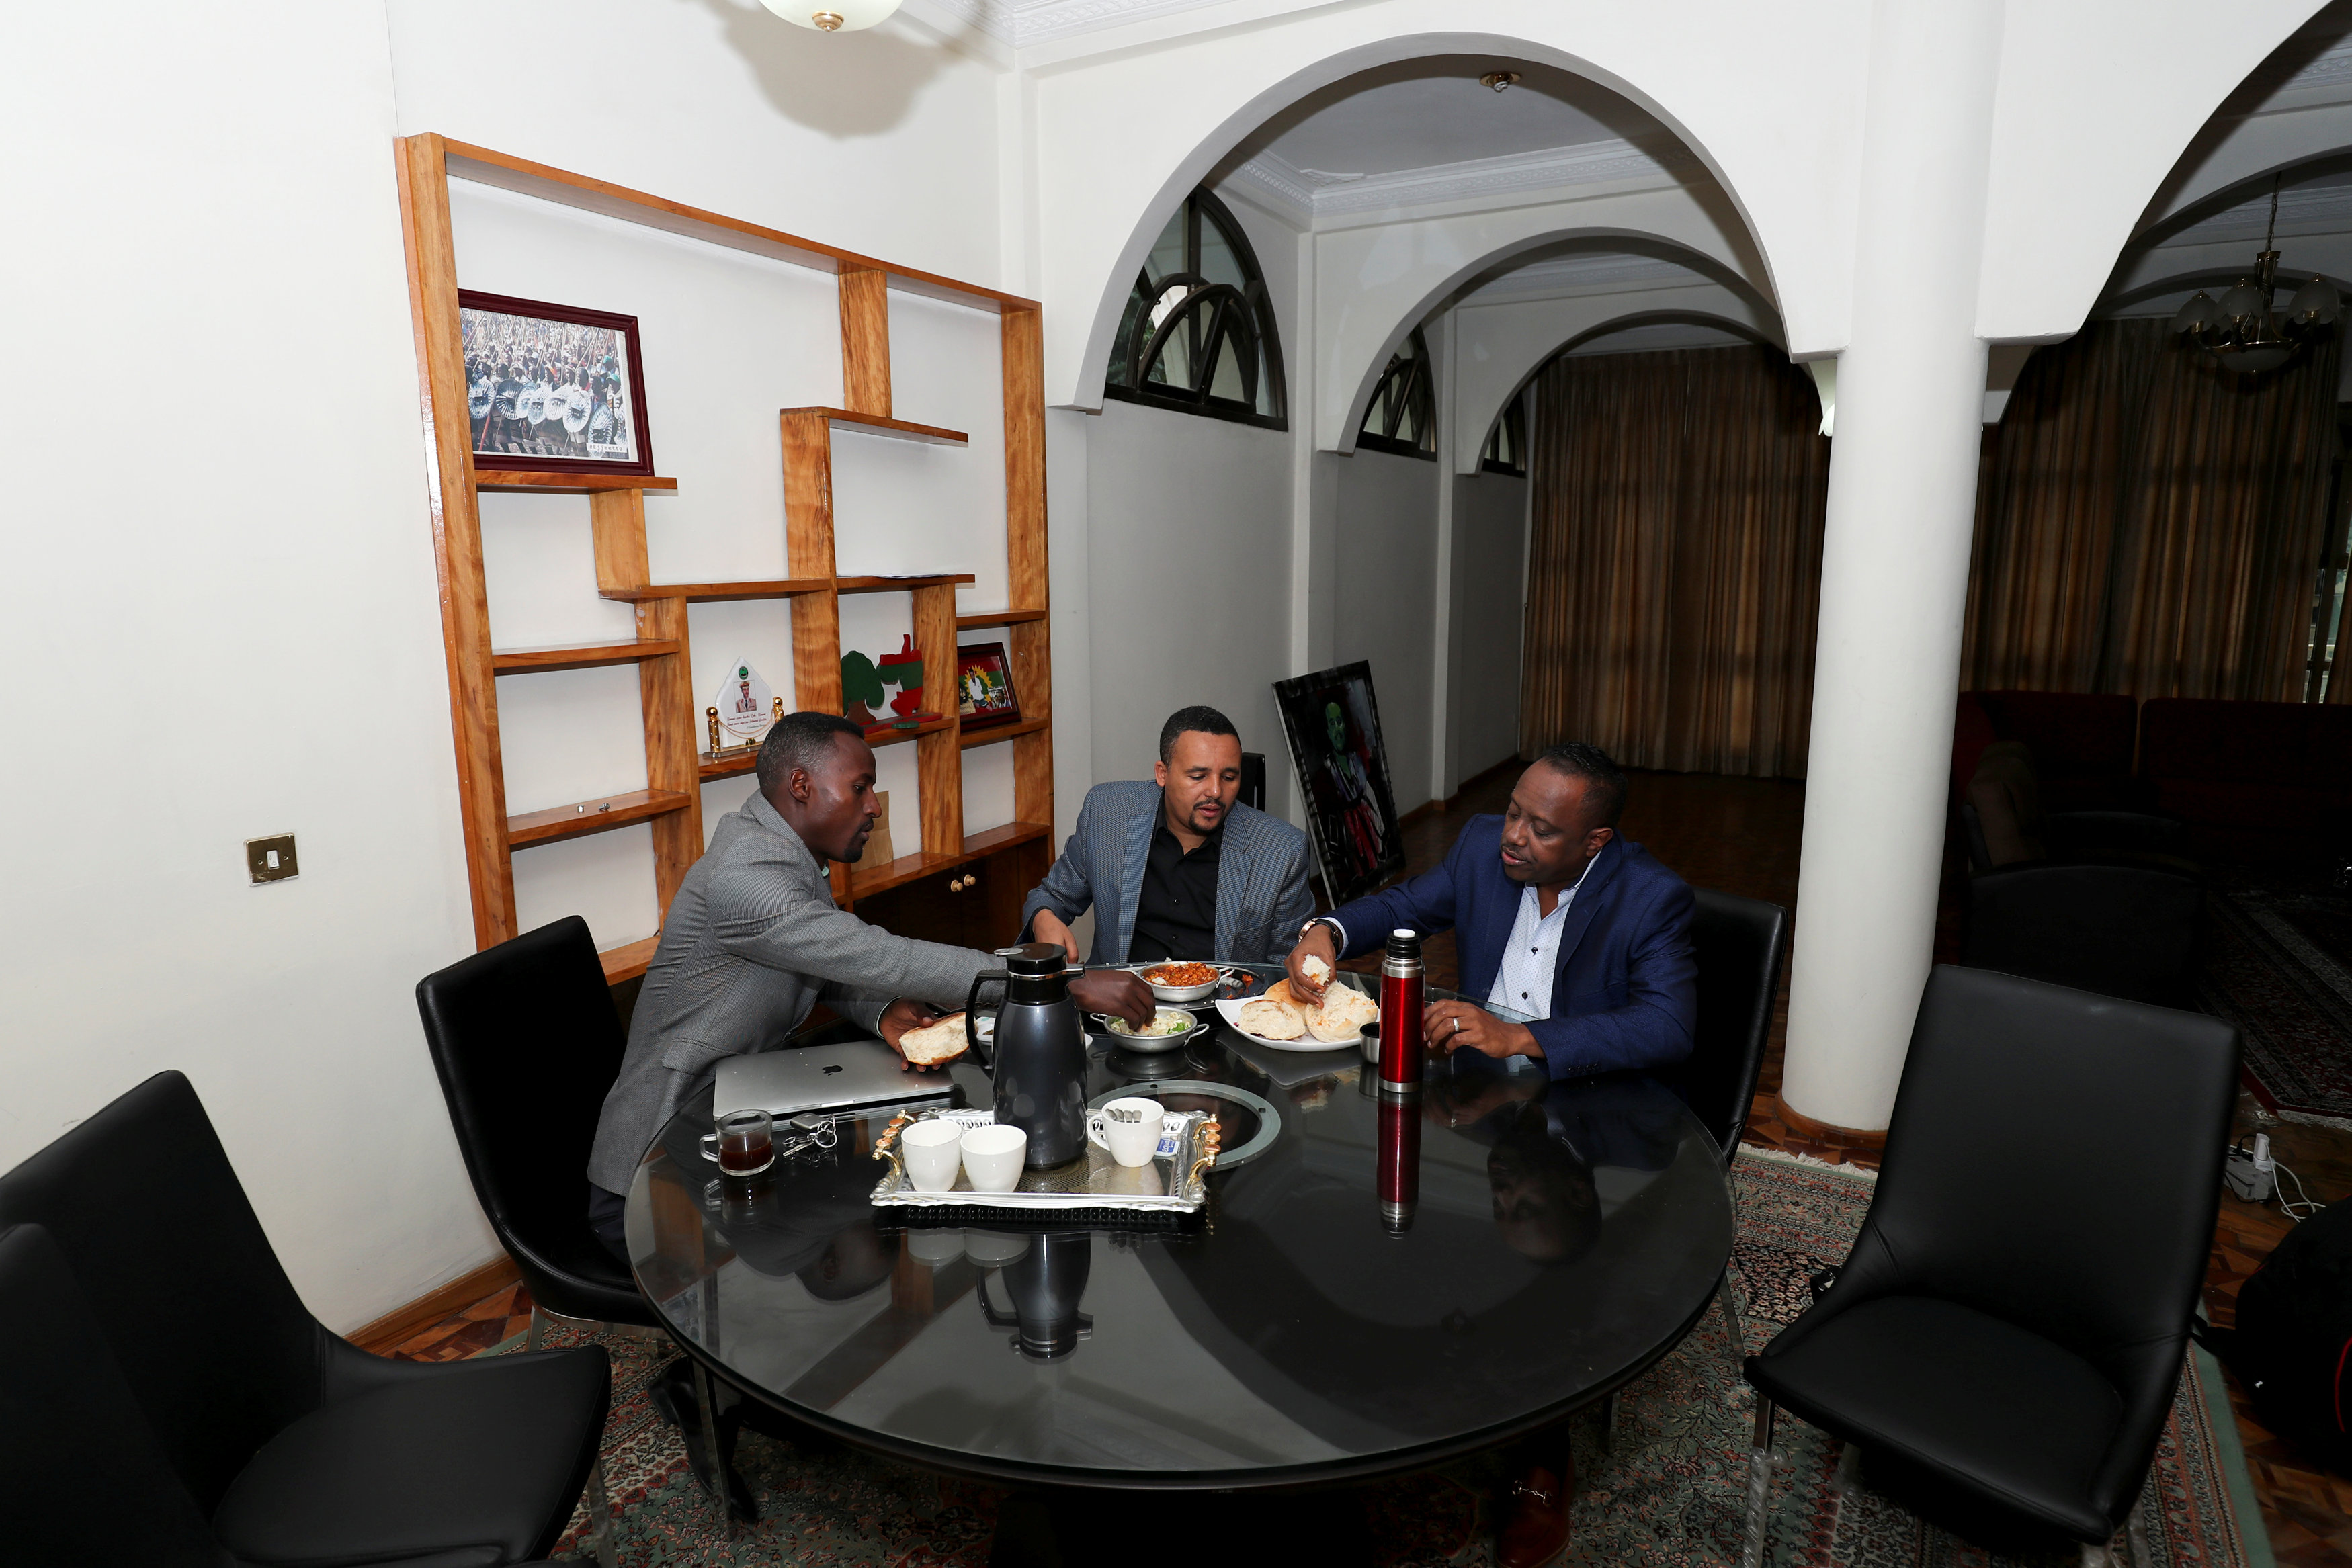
x,y
2148,524
1676,564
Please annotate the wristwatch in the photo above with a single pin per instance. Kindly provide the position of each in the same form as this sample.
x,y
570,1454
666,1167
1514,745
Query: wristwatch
x,y
1336,934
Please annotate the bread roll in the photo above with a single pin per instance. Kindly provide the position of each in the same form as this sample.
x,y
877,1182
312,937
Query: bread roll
x,y
935,1044
1343,1015
1272,1019
1279,994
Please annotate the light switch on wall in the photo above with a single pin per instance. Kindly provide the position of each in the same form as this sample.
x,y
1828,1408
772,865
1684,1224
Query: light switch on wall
x,y
270,859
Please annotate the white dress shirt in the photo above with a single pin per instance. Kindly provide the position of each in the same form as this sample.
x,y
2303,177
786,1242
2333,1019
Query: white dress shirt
x,y
1530,958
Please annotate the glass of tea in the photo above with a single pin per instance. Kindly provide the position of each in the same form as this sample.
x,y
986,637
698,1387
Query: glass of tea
x,y
745,1143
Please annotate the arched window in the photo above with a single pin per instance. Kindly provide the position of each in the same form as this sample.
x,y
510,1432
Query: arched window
x,y
1199,331
1506,451
1402,415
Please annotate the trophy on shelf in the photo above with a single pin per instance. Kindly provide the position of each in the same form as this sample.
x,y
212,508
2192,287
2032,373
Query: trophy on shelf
x,y
739,719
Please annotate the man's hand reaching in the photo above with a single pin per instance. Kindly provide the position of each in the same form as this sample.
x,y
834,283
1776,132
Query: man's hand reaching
x,y
1115,993
1311,963
1048,926
900,1016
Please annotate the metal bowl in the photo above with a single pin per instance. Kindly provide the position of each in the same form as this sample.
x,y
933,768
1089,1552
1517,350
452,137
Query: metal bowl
x,y
1179,996
1146,1044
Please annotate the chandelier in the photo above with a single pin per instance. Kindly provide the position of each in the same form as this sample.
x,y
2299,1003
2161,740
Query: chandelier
x,y
2243,331
832,15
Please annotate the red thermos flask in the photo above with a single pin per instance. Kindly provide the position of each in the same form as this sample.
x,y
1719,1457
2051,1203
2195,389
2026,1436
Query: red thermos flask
x,y
1401,994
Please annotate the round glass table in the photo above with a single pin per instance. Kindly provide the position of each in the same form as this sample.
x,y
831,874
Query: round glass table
x,y
1542,1243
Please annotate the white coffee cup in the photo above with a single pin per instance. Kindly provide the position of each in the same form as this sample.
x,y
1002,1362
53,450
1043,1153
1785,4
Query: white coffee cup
x,y
992,1156
932,1150
1128,1128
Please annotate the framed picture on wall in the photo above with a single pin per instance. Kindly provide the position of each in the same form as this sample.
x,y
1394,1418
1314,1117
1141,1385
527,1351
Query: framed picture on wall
x,y
1333,729
553,387
984,695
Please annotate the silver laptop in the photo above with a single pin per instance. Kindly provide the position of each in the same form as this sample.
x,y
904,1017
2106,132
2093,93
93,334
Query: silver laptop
x,y
836,1077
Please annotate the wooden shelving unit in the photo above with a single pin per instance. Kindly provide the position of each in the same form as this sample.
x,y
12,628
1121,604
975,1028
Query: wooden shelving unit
x,y
674,769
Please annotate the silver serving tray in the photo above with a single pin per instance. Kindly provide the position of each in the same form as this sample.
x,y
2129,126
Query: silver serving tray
x,y
1172,1184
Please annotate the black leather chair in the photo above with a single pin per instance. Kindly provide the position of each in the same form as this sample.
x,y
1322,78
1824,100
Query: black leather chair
x,y
2004,1341
289,1443
527,1043
2121,931
1741,945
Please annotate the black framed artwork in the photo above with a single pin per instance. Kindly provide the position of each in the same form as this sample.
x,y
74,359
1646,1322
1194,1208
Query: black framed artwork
x,y
554,388
1333,725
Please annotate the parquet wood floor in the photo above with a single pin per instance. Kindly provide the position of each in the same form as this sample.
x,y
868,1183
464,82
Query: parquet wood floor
x,y
1741,835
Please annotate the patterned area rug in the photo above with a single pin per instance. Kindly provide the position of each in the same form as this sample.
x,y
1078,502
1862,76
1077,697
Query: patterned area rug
x,y
2278,964
1669,1488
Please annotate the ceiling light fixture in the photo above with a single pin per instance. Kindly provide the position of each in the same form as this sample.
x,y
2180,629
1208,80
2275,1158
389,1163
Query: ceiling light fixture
x,y
2243,331
1498,80
833,16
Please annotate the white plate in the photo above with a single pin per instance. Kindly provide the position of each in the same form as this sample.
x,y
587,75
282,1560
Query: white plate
x,y
1230,1009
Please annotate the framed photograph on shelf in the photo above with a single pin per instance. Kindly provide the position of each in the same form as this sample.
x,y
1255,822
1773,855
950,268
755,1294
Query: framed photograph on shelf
x,y
554,388
984,693
1333,729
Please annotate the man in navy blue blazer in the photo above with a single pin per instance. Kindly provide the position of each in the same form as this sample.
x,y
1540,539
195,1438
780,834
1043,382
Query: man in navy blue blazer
x,y
1557,919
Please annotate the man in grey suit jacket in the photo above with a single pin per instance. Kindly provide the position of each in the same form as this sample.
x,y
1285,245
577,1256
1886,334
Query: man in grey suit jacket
x,y
1178,868
753,941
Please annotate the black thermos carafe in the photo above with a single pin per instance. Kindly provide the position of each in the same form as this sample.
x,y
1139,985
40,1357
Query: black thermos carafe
x,y
1039,1065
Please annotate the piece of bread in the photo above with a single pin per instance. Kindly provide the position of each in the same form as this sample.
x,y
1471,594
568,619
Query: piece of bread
x,y
1315,969
935,1044
1272,1019
1279,994
1343,1015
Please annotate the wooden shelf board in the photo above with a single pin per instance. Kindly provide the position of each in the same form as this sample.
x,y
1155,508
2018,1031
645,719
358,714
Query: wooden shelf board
x,y
629,960
585,817
713,592
580,656
914,867
997,618
1004,732
881,424
517,481
483,166
896,736
889,584
726,767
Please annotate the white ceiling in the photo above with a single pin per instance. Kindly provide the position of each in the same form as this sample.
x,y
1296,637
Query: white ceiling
x,y
1421,114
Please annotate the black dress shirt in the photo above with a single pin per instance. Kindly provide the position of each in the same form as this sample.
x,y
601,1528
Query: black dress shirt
x,y
1176,912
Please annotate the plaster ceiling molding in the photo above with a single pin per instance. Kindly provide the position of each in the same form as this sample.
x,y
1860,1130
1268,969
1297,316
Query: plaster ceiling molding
x,y
2327,76
1312,197
1290,191
2301,210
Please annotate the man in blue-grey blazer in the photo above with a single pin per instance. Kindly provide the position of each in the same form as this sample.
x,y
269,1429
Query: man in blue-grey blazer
x,y
1557,919
1177,868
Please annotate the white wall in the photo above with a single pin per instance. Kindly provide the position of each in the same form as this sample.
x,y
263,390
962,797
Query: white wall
x,y
246,610
1490,543
235,631
1187,582
1385,572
